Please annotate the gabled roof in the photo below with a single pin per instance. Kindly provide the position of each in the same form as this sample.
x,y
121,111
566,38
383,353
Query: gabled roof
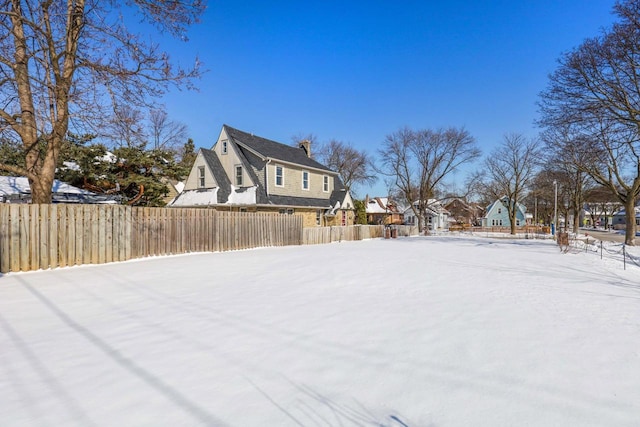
x,y
268,149
224,185
339,193
503,200
253,161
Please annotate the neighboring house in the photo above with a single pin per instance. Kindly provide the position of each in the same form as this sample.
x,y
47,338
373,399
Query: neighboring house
x,y
174,188
16,190
620,222
462,212
600,214
382,210
436,216
498,215
243,172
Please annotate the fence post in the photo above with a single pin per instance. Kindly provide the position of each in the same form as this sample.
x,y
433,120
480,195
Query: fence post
x,y
600,249
624,257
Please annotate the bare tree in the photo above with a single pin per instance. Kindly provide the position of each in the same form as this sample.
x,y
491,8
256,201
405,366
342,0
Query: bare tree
x,y
600,202
596,92
126,128
63,62
565,166
541,197
419,162
166,134
354,166
511,168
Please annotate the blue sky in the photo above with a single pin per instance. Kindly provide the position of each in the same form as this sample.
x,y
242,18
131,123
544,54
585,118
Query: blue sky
x,y
357,71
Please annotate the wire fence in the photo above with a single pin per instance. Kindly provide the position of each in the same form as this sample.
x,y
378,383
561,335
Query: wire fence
x,y
603,249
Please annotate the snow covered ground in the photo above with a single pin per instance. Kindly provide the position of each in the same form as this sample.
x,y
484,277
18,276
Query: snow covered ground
x,y
424,331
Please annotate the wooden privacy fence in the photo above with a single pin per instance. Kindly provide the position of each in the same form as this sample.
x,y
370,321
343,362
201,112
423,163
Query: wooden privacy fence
x,y
162,231
527,229
36,237
319,235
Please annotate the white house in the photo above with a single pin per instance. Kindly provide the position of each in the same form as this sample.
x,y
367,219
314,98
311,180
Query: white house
x,y
620,220
436,217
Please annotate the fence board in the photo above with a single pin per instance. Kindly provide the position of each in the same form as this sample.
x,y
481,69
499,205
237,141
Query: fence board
x,y
42,225
95,234
102,234
321,235
52,235
25,242
34,248
83,219
14,251
107,244
5,243
72,243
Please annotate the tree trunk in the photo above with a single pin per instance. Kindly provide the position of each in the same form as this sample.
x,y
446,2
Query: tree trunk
x,y
512,216
576,213
41,192
424,228
630,218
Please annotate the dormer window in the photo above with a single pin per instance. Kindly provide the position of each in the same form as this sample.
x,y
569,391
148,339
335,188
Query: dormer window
x,y
225,146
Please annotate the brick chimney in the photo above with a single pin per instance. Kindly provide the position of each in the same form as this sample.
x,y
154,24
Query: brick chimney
x,y
305,144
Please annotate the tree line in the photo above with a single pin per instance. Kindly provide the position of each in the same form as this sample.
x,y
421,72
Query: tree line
x,y
78,83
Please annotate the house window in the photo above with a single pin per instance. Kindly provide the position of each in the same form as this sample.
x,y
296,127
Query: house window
x,y
239,176
318,217
243,209
499,211
325,183
286,211
305,180
201,176
279,176
225,146
282,211
290,211
344,218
